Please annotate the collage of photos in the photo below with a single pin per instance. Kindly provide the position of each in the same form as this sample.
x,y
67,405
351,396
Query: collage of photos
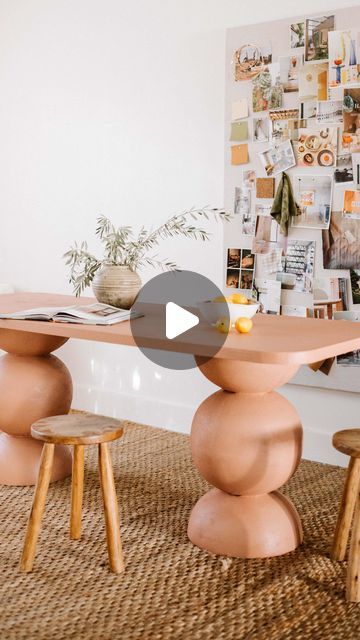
x,y
240,269
302,119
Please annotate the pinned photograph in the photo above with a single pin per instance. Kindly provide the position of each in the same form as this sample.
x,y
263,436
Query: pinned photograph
x,y
297,270
351,207
267,90
247,259
308,109
263,209
249,179
297,35
329,112
242,201
341,242
344,68
317,148
289,72
317,37
260,130
349,142
314,197
313,82
284,124
248,224
246,279
294,310
344,169
250,59
278,159
266,234
355,285
351,127
232,278
233,258
268,264
350,359
355,160
269,295
326,289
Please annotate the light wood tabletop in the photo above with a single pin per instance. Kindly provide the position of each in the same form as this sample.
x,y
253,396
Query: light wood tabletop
x,y
273,339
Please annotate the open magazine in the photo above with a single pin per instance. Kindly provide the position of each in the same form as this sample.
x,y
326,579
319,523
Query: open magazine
x,y
96,313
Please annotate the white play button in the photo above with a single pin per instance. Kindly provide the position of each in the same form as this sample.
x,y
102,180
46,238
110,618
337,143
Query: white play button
x,y
178,320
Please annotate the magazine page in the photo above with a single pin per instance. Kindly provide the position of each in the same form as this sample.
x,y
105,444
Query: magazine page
x,y
40,313
95,312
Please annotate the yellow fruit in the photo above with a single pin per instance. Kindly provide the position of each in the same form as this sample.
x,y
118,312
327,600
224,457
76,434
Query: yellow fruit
x,y
219,299
243,325
223,325
239,298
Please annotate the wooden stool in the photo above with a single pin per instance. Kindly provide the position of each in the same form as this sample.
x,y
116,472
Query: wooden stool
x,y
77,430
348,442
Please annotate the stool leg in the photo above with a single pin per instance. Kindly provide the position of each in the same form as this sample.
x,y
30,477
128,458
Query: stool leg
x,y
37,509
77,489
353,572
111,510
348,502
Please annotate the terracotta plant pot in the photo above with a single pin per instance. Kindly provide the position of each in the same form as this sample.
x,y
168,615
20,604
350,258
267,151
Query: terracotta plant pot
x,y
116,285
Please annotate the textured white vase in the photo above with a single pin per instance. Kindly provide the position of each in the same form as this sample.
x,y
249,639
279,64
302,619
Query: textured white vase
x,y
116,285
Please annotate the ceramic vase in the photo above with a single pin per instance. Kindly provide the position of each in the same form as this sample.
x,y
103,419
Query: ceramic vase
x,y
116,285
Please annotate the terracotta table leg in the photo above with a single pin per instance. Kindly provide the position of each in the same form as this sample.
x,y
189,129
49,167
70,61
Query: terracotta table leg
x,y
33,385
246,441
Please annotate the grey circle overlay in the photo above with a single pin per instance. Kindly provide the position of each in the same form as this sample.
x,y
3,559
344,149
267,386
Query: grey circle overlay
x,y
186,289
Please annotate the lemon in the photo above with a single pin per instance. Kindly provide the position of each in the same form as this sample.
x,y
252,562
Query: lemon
x,y
243,325
219,299
239,298
223,325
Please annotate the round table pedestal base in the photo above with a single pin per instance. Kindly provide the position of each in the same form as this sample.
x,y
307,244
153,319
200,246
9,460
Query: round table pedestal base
x,y
20,458
33,384
245,526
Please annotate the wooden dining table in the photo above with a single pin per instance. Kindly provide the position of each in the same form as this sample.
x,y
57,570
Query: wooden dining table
x,y
246,439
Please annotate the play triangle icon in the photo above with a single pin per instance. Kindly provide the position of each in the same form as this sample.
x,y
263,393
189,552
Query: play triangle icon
x,y
178,320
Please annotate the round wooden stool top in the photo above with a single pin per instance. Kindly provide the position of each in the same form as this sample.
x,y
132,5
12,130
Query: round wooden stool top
x,y
348,442
84,428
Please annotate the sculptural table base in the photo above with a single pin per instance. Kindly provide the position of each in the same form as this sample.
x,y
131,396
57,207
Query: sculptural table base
x,y
33,384
246,441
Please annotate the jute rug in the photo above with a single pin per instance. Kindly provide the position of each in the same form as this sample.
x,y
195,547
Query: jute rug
x,y
170,589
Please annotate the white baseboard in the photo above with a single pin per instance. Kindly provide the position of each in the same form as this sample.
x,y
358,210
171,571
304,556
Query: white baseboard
x,y
178,417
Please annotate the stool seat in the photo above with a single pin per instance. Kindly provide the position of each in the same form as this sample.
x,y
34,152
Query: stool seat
x,y
348,441
77,429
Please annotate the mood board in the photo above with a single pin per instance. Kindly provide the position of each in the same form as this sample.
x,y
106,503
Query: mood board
x,y
292,138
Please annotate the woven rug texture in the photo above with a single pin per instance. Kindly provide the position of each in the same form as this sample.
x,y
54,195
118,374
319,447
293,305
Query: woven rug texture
x,y
170,589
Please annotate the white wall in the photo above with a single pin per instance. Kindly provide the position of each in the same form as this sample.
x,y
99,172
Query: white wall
x,y
118,107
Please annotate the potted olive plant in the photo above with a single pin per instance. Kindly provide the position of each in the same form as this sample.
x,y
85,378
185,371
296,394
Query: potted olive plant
x,y
114,278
